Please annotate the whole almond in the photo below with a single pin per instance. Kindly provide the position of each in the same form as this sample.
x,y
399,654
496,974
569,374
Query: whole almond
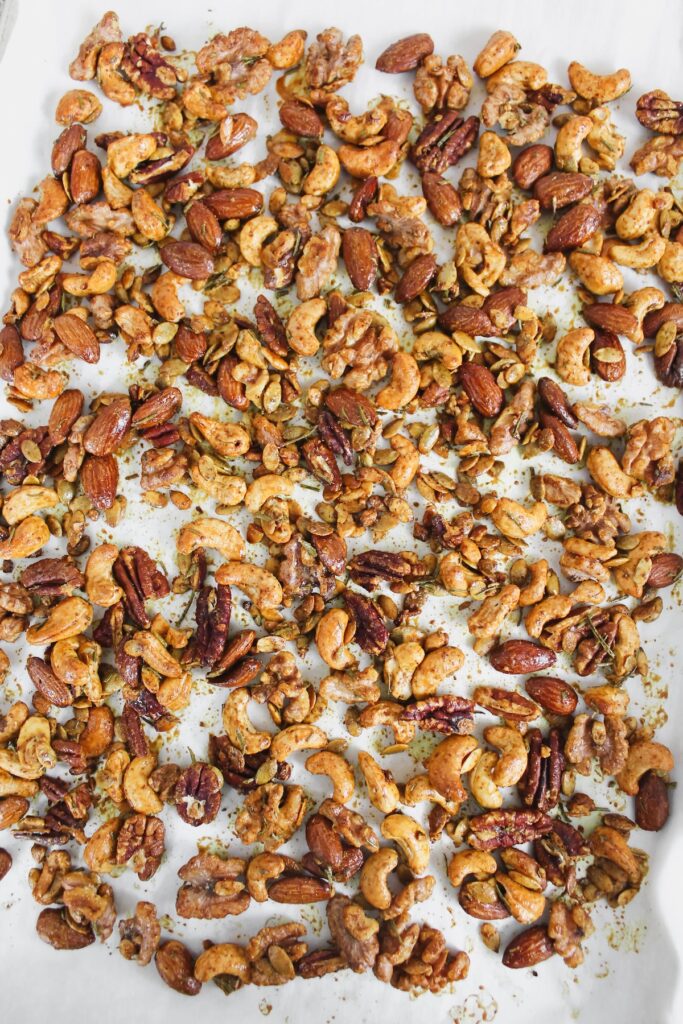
x,y
406,54
299,889
416,278
189,344
481,388
47,683
656,317
84,177
560,188
506,703
350,406
243,129
109,427
204,226
443,199
12,810
609,316
69,142
652,803
100,479
468,319
607,355
552,694
64,413
529,948
573,229
11,351
235,203
301,119
363,195
157,409
666,568
556,402
564,444
531,164
360,256
521,657
187,259
75,335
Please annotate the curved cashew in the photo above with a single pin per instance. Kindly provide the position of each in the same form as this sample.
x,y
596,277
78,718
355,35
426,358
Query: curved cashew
x,y
99,582
571,357
369,161
75,662
98,732
270,485
327,762
436,345
261,869
522,73
374,875
71,616
147,646
598,88
301,326
164,296
640,216
405,383
479,259
253,235
296,737
34,754
569,140
288,51
237,725
260,586
400,666
228,439
436,666
534,590
30,535
641,302
493,611
598,274
324,174
411,838
407,464
12,721
224,958
211,533
333,632
670,266
99,853
419,790
123,155
518,521
350,128
643,756
513,761
226,489
483,788
603,466
382,790
494,156
525,905
643,256
136,788
471,862
26,500
498,51
453,757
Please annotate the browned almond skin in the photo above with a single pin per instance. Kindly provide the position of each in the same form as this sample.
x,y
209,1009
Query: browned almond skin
x,y
474,322
204,226
53,928
69,142
654,320
555,400
362,197
608,316
240,203
573,228
416,278
360,256
561,188
521,657
552,694
652,803
301,119
108,429
564,444
666,568
528,948
175,965
300,889
100,479
5,863
406,54
157,409
77,337
84,179
11,351
64,413
608,371
187,259
442,198
481,388
243,130
531,164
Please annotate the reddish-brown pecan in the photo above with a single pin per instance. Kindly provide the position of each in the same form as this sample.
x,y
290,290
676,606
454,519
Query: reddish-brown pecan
x,y
197,794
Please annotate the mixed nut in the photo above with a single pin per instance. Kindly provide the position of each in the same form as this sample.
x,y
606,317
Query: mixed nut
x,y
371,425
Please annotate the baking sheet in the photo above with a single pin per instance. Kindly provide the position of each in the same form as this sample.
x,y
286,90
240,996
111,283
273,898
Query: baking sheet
x,y
632,969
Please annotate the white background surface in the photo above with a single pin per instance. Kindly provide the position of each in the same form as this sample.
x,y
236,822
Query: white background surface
x,y
637,982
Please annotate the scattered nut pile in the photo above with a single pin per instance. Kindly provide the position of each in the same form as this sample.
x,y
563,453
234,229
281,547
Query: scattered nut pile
x,y
371,426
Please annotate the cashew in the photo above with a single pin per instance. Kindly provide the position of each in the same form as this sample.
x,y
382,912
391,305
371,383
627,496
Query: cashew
x,y
571,357
486,622
480,260
211,533
420,790
534,590
406,465
75,661
149,217
493,157
453,757
369,161
301,326
471,862
224,958
12,721
642,302
670,266
640,216
324,174
598,88
99,853
227,439
253,235
604,468
513,761
518,521
599,275
123,155
612,845
288,51
226,489
643,256
164,296
411,838
498,51
326,762
525,905
382,790
71,616
569,140
99,582
137,790
29,536
147,646
237,725
34,754
400,666
12,786
436,666
270,485
260,870
435,345
374,875
521,73
27,499
355,129
114,86
333,632
483,788
643,756
296,737
405,383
